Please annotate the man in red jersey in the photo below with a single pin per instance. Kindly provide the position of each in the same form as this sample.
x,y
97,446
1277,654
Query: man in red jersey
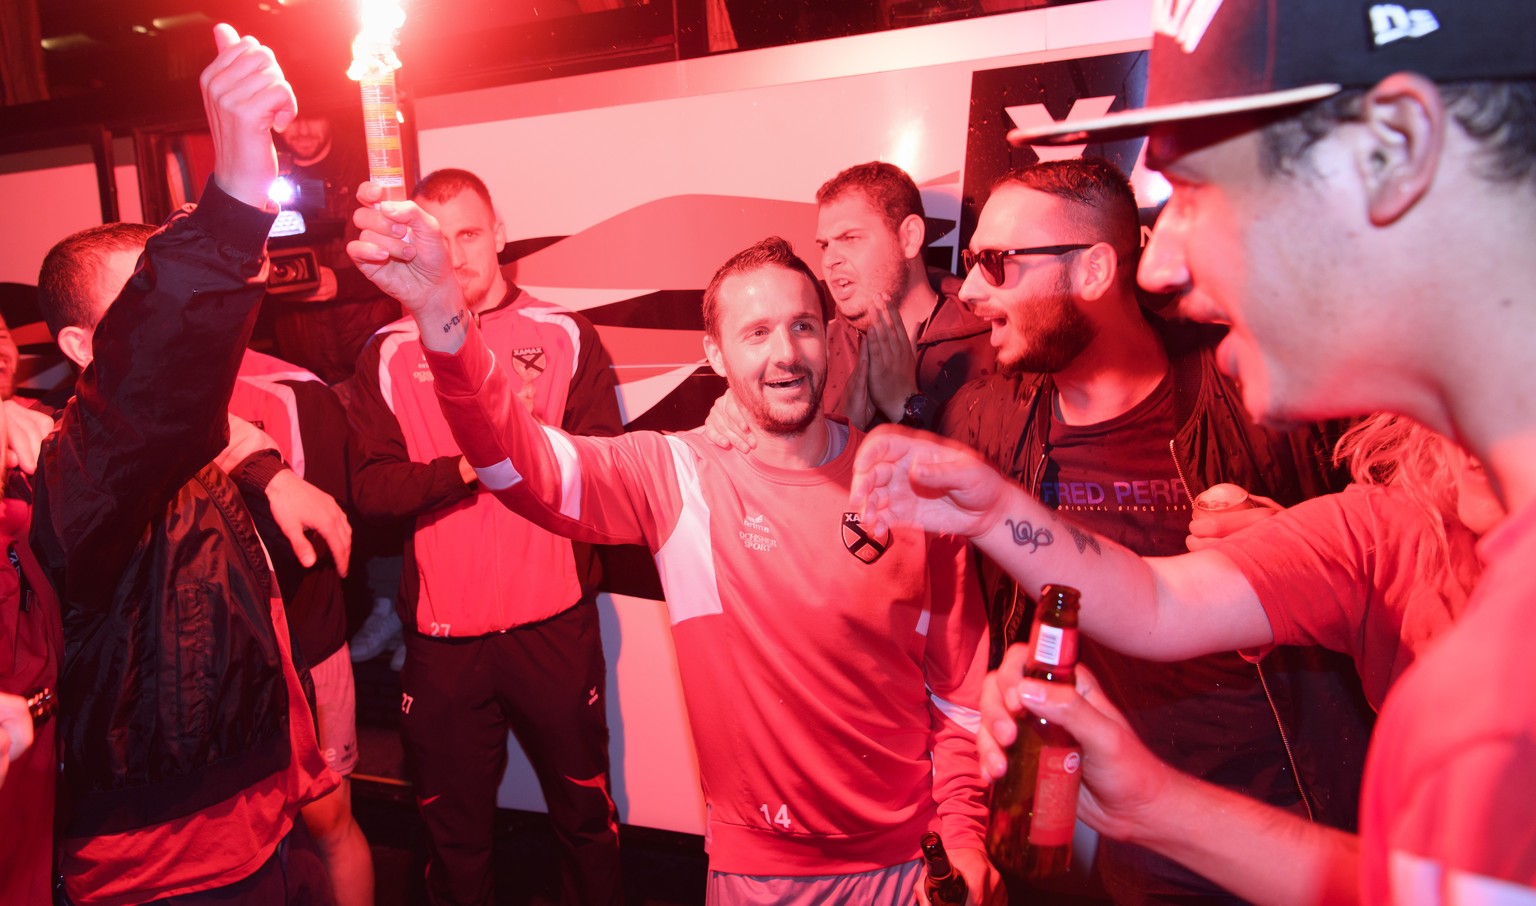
x,y
829,672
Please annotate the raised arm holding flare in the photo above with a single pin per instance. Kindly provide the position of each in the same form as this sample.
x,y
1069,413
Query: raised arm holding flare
x,y
819,782
187,743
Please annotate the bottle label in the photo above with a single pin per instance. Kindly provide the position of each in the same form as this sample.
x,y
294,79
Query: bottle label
x,y
1055,811
1055,646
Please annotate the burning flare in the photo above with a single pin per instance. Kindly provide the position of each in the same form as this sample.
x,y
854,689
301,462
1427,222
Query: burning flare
x,y
373,66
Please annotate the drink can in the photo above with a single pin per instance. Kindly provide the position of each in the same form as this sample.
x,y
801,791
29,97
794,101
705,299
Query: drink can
x,y
1220,497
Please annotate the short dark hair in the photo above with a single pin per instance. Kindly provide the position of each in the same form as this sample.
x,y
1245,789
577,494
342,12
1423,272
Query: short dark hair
x,y
1500,115
771,252
1104,204
71,272
444,185
887,188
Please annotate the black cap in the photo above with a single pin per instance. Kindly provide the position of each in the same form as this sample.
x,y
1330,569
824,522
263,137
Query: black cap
x,y
1214,58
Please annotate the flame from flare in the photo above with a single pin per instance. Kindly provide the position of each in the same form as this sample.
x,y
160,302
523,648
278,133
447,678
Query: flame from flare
x,y
373,50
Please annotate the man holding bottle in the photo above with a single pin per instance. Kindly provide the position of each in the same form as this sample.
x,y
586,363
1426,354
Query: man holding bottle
x,y
1115,419
1334,167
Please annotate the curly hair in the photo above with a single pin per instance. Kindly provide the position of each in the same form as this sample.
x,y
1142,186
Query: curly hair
x,y
1396,451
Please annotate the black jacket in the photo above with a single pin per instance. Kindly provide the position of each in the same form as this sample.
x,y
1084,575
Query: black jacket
x,y
172,693
1315,695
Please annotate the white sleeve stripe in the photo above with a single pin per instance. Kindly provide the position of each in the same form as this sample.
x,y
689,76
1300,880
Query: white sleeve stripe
x,y
570,473
923,620
1468,889
558,317
1419,880
969,719
389,347
686,560
489,368
498,477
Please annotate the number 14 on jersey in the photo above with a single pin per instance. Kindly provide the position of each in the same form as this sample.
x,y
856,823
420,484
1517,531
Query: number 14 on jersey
x,y
781,817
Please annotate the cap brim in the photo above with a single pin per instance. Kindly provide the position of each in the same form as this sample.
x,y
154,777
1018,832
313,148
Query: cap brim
x,y
1132,123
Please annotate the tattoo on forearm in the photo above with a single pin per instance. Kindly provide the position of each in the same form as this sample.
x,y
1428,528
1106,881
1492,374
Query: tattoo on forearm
x,y
456,320
1084,540
1024,533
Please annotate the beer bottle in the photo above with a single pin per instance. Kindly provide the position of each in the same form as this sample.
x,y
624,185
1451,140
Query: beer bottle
x,y
1034,805
946,887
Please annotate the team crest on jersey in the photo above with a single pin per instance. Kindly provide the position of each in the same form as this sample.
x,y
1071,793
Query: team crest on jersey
x,y
860,542
528,362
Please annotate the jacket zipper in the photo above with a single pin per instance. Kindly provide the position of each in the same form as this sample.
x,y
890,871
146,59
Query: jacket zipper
x,y
1285,739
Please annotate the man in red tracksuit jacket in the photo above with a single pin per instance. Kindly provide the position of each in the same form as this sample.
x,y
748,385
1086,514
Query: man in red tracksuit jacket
x,y
501,629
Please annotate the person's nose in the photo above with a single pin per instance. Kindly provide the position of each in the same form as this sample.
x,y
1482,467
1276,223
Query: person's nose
x,y
974,289
782,349
1164,267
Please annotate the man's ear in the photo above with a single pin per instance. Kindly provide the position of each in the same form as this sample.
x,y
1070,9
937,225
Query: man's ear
x,y
910,235
501,237
712,353
1398,150
75,343
1096,271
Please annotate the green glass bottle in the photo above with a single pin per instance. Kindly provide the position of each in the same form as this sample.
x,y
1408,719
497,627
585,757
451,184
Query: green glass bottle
x,y
1034,805
946,887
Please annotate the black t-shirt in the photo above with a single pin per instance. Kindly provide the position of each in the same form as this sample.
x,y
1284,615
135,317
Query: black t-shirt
x,y
1208,716
1118,477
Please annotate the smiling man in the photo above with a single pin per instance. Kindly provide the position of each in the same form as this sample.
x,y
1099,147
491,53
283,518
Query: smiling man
x,y
829,673
899,343
1354,192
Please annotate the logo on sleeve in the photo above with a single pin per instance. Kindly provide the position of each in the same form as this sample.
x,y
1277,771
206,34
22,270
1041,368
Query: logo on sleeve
x,y
860,542
528,362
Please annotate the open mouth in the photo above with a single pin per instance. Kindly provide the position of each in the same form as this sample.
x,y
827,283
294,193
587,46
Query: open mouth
x,y
786,383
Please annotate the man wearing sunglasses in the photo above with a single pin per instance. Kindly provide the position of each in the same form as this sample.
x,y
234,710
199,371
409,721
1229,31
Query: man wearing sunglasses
x,y
1117,418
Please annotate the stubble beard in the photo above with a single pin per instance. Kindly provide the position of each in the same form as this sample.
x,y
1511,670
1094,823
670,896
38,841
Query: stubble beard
x,y
889,283
769,419
1056,337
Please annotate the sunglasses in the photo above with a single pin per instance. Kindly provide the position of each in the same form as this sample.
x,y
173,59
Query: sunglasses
x,y
991,260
